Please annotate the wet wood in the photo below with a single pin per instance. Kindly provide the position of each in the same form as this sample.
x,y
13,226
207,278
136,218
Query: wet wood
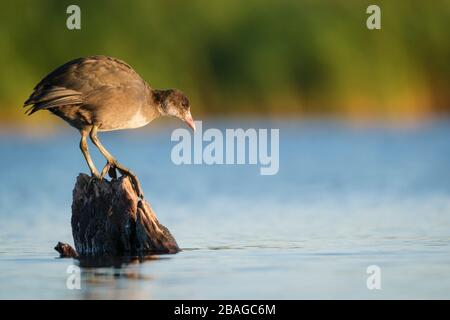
x,y
65,250
108,218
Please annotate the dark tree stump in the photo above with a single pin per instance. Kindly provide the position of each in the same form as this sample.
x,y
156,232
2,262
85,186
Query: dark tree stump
x,y
108,218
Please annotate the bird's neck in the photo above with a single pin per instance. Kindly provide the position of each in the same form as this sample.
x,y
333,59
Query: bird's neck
x,y
154,107
157,98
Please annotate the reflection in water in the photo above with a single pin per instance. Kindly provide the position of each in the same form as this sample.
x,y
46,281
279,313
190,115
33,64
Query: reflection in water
x,y
113,261
103,278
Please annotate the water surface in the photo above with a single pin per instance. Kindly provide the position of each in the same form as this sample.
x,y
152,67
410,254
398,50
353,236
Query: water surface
x,y
344,198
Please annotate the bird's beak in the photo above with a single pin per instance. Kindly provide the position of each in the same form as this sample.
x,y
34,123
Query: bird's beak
x,y
189,121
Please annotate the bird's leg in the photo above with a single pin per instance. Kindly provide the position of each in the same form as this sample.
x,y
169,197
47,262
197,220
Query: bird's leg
x,y
112,163
87,156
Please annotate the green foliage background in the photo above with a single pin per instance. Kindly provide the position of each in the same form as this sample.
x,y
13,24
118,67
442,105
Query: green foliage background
x,y
258,57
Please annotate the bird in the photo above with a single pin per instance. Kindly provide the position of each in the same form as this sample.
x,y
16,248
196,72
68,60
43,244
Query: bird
x,y
101,93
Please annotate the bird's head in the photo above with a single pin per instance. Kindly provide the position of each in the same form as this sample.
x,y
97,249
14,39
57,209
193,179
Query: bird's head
x,y
174,103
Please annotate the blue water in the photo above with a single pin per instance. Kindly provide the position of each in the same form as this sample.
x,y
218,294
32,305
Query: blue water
x,y
345,198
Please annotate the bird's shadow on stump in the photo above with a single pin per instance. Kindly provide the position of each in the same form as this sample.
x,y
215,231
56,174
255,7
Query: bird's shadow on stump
x,y
110,221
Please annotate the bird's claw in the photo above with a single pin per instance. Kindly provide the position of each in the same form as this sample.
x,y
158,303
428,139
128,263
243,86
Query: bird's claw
x,y
111,167
135,182
96,175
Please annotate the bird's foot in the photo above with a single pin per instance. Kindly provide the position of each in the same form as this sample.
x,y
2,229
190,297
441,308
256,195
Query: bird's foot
x,y
137,185
134,181
95,176
109,168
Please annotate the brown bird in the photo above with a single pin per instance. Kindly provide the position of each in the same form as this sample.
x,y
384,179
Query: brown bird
x,y
100,93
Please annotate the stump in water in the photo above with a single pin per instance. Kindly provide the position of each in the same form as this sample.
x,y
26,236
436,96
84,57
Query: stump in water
x,y
108,218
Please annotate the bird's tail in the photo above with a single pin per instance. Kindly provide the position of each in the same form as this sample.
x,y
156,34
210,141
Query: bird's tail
x,y
50,97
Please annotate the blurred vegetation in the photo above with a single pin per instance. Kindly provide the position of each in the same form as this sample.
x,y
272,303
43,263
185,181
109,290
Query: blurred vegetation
x,y
256,57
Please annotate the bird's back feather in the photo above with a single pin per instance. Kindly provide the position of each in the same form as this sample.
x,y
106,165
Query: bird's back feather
x,y
76,81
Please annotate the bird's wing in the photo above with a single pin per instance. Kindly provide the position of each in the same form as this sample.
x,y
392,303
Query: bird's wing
x,y
52,96
71,82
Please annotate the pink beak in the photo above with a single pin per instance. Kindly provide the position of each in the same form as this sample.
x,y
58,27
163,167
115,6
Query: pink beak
x,y
189,121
